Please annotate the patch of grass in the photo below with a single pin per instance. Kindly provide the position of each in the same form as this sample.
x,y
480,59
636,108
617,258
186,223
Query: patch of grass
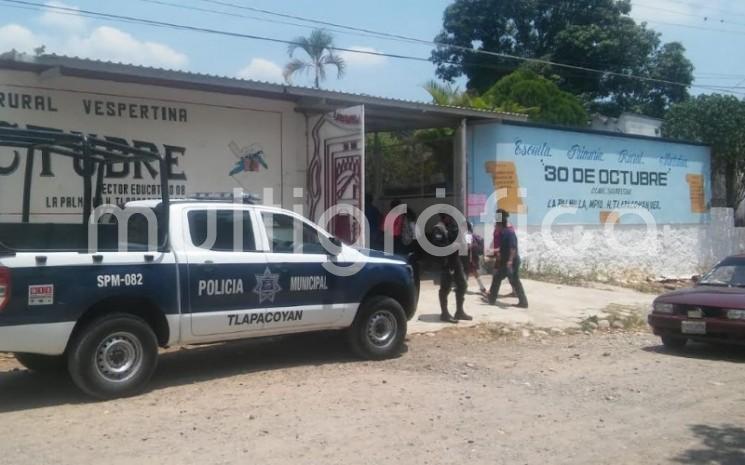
x,y
553,275
589,324
628,317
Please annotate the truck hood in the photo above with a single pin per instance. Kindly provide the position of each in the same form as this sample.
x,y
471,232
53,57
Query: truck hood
x,y
378,254
707,296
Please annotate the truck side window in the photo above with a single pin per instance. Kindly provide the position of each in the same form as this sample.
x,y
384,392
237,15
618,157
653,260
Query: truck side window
x,y
224,227
281,231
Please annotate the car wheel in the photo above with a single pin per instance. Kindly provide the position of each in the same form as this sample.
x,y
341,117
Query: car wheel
x,y
113,356
45,364
379,329
674,342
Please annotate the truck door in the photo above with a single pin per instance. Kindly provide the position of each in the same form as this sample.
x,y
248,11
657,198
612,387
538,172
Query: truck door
x,y
223,262
305,299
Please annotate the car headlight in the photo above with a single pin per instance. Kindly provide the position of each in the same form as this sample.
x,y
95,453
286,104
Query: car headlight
x,y
660,307
736,314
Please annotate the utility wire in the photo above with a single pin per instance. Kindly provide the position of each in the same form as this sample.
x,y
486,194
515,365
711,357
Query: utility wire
x,y
379,33
692,15
318,21
255,18
699,6
699,28
162,24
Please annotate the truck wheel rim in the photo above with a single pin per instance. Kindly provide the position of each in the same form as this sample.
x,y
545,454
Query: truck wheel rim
x,y
381,328
119,356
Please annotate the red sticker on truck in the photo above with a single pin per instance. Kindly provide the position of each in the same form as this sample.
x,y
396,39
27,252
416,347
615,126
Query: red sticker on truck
x,y
42,294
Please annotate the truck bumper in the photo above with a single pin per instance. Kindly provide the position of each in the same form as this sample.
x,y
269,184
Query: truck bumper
x,y
46,339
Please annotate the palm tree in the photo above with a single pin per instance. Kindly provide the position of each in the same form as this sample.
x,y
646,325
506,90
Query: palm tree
x,y
319,47
446,94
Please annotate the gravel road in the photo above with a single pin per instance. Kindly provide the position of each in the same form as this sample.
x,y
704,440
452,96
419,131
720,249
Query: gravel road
x,y
459,396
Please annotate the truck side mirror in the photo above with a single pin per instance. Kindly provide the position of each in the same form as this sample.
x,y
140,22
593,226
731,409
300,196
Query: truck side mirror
x,y
695,279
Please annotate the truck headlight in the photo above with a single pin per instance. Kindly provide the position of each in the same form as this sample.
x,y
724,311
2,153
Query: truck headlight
x,y
660,307
736,314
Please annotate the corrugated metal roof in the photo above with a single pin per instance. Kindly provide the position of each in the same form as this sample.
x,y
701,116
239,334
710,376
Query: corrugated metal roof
x,y
86,67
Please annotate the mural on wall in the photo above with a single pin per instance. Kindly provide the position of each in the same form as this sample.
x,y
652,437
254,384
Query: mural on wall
x,y
250,159
596,175
203,146
336,168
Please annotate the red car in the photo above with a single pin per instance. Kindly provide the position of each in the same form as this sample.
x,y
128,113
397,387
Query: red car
x,y
711,311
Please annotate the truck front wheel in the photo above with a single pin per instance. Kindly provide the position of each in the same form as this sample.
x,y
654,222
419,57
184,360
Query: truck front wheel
x,y
113,356
379,329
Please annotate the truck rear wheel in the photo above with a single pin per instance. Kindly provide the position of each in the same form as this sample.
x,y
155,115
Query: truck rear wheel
x,y
45,364
379,330
113,356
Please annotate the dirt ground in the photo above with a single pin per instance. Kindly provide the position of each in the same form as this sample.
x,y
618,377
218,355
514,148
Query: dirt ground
x,y
459,396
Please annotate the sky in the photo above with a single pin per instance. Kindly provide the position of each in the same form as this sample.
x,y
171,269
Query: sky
x,y
713,32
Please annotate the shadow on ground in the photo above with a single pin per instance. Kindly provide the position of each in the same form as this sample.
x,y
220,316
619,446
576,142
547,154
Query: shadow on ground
x,y
714,352
720,445
21,389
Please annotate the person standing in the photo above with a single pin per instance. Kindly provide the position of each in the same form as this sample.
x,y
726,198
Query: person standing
x,y
471,262
394,228
508,265
373,216
495,248
445,233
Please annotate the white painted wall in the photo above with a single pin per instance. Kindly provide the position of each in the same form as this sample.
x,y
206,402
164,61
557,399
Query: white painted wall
x,y
214,120
669,251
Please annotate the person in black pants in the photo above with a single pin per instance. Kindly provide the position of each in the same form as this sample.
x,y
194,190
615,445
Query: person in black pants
x,y
445,233
509,262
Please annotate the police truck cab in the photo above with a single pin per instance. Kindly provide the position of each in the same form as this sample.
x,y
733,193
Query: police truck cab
x,y
220,270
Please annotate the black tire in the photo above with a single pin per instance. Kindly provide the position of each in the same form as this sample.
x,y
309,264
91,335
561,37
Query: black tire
x,y
379,329
674,342
43,364
113,356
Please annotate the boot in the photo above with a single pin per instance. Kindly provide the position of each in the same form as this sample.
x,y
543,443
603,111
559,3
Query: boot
x,y
446,317
460,314
444,313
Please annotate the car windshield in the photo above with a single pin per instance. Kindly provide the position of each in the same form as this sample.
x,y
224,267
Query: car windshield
x,y
725,274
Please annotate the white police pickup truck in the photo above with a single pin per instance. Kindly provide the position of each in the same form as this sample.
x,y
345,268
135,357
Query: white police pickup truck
x,y
220,271
105,314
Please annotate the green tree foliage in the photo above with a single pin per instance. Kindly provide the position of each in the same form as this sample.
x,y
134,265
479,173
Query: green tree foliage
x,y
448,95
543,100
319,48
413,162
597,34
719,121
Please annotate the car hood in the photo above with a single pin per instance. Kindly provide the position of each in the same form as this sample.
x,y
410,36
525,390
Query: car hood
x,y
707,296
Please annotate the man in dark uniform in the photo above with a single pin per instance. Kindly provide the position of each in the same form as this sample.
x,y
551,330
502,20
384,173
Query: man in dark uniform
x,y
509,262
445,233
